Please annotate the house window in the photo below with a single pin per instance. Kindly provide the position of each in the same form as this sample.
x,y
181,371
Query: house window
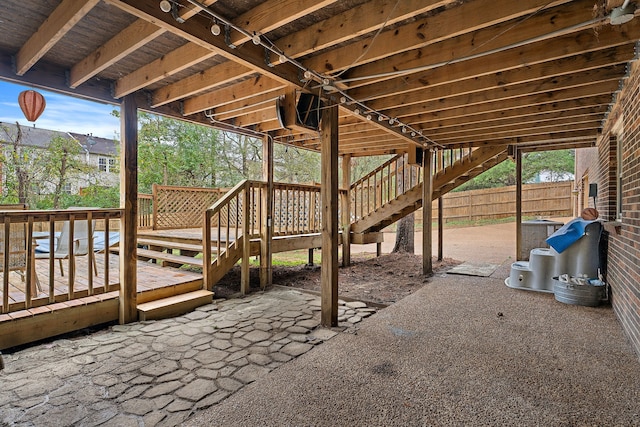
x,y
66,189
106,164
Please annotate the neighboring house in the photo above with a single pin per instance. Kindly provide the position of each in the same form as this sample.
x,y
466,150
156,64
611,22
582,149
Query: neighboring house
x,y
100,153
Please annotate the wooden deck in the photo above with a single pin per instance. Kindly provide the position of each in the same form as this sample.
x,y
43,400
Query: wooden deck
x,y
50,318
151,279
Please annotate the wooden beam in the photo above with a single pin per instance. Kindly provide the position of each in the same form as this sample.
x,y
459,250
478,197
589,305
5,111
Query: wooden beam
x,y
245,106
197,83
427,226
273,14
523,91
357,21
464,18
198,32
263,18
481,42
461,111
266,267
329,195
167,65
129,204
534,53
241,91
509,122
522,112
346,210
59,23
528,128
127,41
560,69
518,204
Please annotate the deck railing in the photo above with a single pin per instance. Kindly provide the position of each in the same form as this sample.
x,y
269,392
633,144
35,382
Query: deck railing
x,y
296,209
383,184
42,281
395,177
145,211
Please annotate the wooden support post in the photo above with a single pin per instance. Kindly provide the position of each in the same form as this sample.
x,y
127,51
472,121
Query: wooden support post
x,y
310,263
427,229
378,249
329,195
346,210
518,203
206,251
266,232
246,242
128,311
440,228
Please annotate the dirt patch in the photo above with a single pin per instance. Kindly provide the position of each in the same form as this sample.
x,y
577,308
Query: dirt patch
x,y
384,280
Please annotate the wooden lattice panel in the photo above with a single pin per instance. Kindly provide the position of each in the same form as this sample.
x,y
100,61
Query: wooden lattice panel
x,y
182,207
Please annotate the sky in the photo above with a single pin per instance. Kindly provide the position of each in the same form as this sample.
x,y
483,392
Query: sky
x,y
62,113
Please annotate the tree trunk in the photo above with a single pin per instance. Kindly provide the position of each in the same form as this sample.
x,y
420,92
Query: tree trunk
x,y
405,235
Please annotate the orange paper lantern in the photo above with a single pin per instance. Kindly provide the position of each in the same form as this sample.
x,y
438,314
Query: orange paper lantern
x,y
32,104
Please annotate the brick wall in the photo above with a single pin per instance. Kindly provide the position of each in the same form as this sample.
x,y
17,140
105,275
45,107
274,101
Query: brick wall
x,y
623,244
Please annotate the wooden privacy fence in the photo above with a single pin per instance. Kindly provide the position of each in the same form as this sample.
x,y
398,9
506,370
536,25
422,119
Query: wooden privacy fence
x,y
538,200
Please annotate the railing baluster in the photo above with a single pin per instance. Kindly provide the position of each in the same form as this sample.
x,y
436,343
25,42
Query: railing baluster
x,y
5,265
106,252
52,263
90,253
72,262
30,260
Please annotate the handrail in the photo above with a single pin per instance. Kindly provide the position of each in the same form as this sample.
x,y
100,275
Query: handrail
x,y
39,292
295,210
395,177
380,186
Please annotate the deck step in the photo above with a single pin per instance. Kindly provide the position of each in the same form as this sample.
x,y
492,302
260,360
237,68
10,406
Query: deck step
x,y
163,256
171,245
174,306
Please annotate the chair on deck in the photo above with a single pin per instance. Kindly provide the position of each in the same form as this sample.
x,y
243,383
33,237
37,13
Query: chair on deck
x,y
80,241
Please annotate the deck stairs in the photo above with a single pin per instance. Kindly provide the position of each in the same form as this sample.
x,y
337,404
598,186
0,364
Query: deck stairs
x,y
444,180
184,252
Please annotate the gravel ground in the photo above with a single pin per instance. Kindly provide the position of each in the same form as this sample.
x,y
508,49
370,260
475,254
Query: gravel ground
x,y
460,351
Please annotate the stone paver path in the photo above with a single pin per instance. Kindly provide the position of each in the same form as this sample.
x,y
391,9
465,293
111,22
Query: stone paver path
x,y
157,373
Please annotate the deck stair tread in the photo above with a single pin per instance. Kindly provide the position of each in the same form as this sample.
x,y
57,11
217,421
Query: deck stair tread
x,y
174,305
157,255
171,245
193,240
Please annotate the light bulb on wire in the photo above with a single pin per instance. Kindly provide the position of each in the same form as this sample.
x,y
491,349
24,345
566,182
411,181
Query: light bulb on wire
x,y
215,29
165,6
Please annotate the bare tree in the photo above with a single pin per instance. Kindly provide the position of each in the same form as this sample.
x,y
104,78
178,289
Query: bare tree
x,y
22,165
